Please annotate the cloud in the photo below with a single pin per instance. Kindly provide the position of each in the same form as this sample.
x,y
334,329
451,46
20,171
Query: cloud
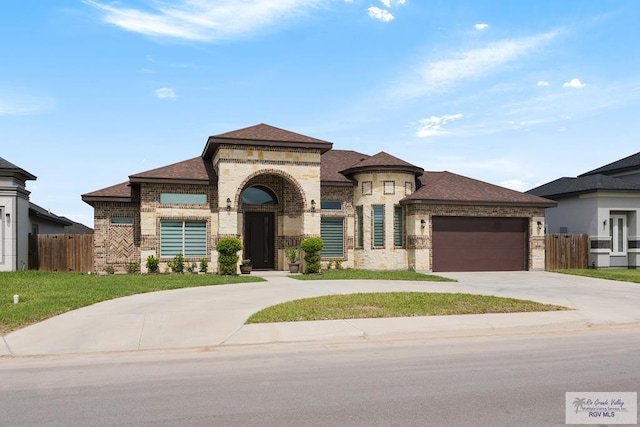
x,y
574,83
390,3
203,20
481,27
381,14
472,64
515,184
165,93
433,126
542,83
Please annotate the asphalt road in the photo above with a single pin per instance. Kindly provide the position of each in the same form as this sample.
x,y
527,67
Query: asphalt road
x,y
489,381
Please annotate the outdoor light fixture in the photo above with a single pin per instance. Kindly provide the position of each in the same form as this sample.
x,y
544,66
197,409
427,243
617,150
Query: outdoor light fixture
x,y
228,204
313,205
423,223
8,216
604,224
539,225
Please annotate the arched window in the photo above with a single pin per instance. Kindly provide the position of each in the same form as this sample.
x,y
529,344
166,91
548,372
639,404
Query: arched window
x,y
259,195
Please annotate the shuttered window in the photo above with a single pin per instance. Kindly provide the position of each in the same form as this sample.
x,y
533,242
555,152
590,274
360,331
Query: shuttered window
x,y
359,229
378,226
398,226
332,233
186,237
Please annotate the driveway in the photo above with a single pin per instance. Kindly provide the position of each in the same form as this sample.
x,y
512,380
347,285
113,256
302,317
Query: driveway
x,y
209,317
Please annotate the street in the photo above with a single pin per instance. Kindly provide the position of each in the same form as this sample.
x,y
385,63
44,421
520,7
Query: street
x,y
482,381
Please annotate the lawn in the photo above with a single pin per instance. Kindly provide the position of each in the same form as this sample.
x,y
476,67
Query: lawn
x,y
393,304
45,294
622,274
348,274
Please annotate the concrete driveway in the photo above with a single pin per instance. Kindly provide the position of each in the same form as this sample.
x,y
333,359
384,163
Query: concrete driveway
x,y
208,317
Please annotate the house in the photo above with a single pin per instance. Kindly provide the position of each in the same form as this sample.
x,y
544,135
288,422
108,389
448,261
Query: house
x,y
272,188
603,203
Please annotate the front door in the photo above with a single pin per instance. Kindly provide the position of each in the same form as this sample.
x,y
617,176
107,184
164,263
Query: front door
x,y
259,239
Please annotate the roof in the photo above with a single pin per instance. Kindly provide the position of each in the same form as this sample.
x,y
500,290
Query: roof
x,y
267,135
564,187
192,171
9,169
45,215
450,188
78,228
116,193
631,162
382,161
334,161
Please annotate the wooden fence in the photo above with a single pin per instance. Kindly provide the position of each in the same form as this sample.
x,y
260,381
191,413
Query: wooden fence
x,y
567,251
61,252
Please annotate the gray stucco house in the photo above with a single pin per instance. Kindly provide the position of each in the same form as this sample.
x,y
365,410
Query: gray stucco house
x,y
603,203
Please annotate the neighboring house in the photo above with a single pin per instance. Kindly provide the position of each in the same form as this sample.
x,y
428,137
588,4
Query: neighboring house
x,y
14,217
44,222
603,203
272,188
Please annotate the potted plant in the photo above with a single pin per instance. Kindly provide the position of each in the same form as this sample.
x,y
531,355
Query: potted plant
x,y
293,254
245,266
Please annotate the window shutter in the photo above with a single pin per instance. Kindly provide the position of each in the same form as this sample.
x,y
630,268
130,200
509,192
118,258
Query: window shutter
x,y
170,238
398,226
378,226
332,233
195,239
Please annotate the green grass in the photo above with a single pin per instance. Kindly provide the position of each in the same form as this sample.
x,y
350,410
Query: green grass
x,y
393,304
624,275
45,294
349,274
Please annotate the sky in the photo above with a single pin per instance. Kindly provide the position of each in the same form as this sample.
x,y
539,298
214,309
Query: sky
x,y
514,93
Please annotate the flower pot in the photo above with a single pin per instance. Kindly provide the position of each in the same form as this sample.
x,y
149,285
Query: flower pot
x,y
294,267
245,269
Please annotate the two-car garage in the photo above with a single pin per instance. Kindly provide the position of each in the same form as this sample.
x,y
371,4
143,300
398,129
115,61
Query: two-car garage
x,y
465,243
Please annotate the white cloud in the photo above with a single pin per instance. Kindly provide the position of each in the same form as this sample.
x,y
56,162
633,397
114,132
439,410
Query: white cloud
x,y
481,27
574,83
165,93
433,126
390,3
542,83
439,75
381,14
203,20
515,184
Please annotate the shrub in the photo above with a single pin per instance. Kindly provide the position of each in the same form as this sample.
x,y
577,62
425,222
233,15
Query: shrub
x,y
292,253
177,264
109,269
132,267
246,261
311,247
338,263
228,248
153,264
204,265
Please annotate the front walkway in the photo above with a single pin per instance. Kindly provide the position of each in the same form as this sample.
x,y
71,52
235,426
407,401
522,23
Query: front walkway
x,y
213,316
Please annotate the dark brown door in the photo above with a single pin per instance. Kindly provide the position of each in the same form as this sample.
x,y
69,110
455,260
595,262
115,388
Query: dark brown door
x,y
479,244
259,239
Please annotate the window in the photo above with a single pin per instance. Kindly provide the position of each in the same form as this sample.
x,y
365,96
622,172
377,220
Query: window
x,y
334,205
378,226
259,195
618,234
183,199
359,227
398,226
332,233
186,237
122,220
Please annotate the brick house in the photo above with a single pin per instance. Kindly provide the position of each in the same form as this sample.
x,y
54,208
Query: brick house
x,y
272,188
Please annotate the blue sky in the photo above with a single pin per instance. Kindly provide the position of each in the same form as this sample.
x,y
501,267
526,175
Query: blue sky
x,y
509,92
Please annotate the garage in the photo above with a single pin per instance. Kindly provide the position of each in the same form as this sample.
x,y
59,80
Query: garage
x,y
479,244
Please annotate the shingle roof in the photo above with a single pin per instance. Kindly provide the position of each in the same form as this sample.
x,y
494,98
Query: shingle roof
x,y
334,161
8,168
450,188
44,214
263,134
382,161
116,193
622,165
564,187
195,171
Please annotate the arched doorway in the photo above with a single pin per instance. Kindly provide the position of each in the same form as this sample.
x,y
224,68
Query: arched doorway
x,y
259,202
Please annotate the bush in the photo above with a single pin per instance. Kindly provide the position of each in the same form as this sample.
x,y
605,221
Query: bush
x,y
311,247
153,264
204,265
132,267
177,264
228,248
109,269
292,254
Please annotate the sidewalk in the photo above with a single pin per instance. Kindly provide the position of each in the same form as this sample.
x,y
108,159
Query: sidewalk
x,y
209,317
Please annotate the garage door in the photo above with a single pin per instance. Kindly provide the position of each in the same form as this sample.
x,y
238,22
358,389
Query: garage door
x,y
479,244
